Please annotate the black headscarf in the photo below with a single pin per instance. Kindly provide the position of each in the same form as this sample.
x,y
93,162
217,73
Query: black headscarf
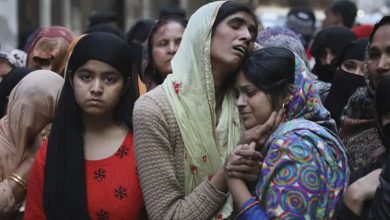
x,y
336,39
8,83
344,84
64,192
382,107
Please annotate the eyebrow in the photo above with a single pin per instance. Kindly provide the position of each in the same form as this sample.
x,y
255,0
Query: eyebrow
x,y
252,26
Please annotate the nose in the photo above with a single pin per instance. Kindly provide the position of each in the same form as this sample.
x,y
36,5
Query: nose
x,y
172,47
383,64
246,35
240,101
97,87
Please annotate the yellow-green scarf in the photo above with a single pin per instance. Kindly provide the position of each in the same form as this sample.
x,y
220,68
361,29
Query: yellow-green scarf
x,y
190,89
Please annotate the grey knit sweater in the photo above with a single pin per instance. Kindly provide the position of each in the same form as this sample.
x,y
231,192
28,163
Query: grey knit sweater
x,y
160,155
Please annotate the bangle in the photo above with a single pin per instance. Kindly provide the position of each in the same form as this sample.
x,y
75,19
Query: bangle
x,y
19,180
248,207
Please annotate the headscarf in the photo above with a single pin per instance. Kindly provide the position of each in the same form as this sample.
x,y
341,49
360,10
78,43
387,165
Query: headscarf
x,y
302,148
358,128
64,192
17,58
190,90
31,107
344,83
270,32
336,39
8,83
61,37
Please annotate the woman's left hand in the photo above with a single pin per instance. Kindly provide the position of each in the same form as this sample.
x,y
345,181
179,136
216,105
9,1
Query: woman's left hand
x,y
244,162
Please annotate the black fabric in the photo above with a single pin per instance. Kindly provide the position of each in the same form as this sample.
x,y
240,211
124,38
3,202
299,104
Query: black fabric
x,y
64,192
107,28
325,73
382,107
335,38
355,50
343,86
8,83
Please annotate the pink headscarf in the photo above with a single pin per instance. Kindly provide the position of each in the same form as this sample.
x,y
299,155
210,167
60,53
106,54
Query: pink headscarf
x,y
31,107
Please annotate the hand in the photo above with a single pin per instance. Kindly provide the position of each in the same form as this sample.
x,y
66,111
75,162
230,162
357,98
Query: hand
x,y
362,190
244,162
260,133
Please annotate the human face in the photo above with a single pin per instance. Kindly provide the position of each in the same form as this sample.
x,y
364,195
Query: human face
x,y
327,57
353,66
330,18
379,55
165,42
49,54
5,67
97,88
254,105
232,41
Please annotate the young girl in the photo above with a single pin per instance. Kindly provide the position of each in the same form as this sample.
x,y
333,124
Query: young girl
x,y
87,168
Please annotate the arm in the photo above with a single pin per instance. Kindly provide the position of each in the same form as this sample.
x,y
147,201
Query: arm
x,y
34,201
12,193
161,179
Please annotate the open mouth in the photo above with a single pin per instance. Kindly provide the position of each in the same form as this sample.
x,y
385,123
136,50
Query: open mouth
x,y
240,49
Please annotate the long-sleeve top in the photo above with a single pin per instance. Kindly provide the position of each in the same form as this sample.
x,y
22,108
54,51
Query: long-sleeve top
x,y
160,161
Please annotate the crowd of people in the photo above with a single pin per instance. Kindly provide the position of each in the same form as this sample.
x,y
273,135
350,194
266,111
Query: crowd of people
x,y
208,118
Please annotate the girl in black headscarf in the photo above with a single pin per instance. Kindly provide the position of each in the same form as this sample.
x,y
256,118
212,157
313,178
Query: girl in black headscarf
x,y
87,168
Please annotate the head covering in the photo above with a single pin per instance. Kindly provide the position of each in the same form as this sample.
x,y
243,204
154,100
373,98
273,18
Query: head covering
x,y
107,28
65,152
335,38
344,83
190,90
363,30
358,127
8,83
302,20
63,37
17,58
31,107
270,32
303,158
347,10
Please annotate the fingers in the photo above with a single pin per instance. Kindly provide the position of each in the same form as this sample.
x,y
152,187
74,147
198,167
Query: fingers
x,y
251,155
248,177
279,118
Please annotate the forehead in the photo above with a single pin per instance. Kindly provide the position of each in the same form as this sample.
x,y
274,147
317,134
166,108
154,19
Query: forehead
x,y
241,15
381,37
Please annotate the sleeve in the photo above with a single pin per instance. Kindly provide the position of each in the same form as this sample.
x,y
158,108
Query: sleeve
x,y
251,210
164,195
7,200
34,201
291,184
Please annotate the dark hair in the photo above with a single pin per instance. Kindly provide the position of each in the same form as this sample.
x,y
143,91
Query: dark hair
x,y
347,10
384,21
149,69
272,70
228,8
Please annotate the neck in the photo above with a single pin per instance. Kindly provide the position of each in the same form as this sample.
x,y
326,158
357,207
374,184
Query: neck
x,y
98,124
219,76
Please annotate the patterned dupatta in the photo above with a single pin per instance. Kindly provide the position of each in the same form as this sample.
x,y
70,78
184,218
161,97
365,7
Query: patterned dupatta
x,y
190,89
305,170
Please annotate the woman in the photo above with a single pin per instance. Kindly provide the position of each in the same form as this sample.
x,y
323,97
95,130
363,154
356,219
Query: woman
x,y
163,41
305,168
185,127
91,142
48,49
328,44
368,139
9,82
31,107
348,77
358,130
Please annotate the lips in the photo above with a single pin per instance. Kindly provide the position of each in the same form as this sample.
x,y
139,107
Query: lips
x,y
240,49
95,101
